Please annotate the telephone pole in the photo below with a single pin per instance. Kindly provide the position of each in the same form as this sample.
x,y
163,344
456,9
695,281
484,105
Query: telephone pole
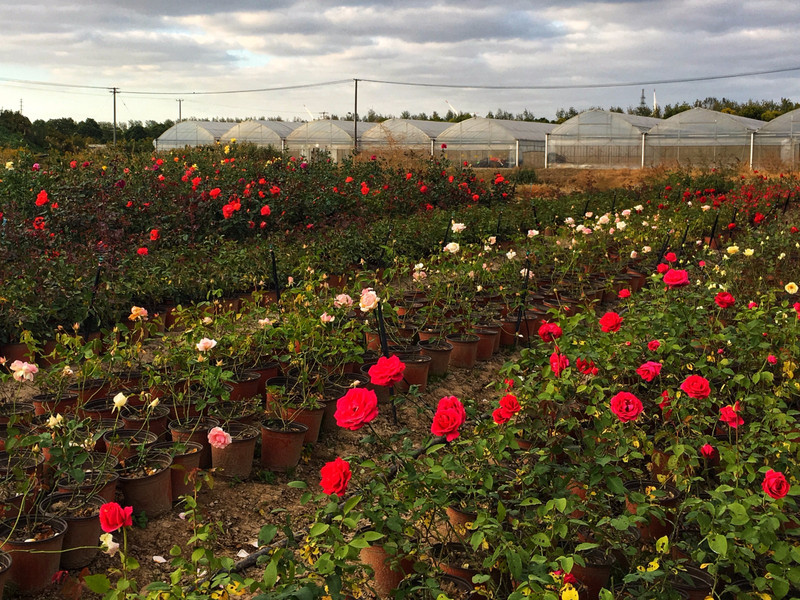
x,y
114,94
355,118
179,101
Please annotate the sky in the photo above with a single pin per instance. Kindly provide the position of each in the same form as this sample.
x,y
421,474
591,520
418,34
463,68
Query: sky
x,y
158,52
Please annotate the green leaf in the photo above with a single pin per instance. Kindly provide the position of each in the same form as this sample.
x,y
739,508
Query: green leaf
x,y
271,574
266,535
560,504
297,484
372,536
584,546
318,529
99,584
540,539
350,504
566,563
718,543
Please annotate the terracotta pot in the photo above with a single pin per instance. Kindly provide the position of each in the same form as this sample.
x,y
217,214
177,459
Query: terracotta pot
x,y
594,576
439,351
48,404
33,564
694,582
460,521
281,447
450,559
416,373
153,419
98,408
665,499
90,389
95,482
185,459
12,352
245,387
236,459
486,339
149,493
124,443
265,371
196,430
5,570
386,575
23,412
311,418
83,529
465,350
508,331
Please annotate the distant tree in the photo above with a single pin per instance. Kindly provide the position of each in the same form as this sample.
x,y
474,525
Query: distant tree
x,y
89,128
616,109
670,110
563,115
15,122
405,115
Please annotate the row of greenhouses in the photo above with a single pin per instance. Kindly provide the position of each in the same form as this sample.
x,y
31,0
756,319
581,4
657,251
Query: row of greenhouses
x,y
595,138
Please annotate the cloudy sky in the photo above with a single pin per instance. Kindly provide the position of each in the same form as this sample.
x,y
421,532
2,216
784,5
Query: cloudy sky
x,y
159,51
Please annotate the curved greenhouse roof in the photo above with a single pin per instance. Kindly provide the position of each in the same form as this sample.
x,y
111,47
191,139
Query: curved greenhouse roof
x,y
496,142
261,132
405,133
702,126
332,136
777,144
191,133
599,138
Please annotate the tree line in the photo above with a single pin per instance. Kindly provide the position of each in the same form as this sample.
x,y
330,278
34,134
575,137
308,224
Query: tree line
x,y
67,135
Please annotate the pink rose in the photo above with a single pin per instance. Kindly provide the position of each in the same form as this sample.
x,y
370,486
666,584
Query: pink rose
x,y
23,371
219,438
343,301
653,345
387,371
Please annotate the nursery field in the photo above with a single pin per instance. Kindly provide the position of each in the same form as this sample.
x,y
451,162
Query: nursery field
x,y
227,373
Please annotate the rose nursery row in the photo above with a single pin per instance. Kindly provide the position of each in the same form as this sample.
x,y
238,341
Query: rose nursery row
x,y
641,444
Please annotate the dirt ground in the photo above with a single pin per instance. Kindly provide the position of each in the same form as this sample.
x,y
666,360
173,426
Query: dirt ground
x,y
242,508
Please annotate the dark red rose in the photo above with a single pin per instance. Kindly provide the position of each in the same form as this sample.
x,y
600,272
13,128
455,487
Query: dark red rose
x,y
549,332
724,300
775,484
696,386
626,406
649,370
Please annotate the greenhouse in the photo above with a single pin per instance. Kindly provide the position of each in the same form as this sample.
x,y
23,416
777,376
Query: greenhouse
x,y
777,144
404,135
702,138
333,136
261,133
191,133
599,138
496,143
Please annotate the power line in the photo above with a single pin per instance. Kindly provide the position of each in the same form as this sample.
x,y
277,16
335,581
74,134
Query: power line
x,y
272,89
586,85
53,84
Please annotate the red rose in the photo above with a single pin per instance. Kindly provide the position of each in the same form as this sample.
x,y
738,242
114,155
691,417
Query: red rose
x,y
509,406
653,345
587,367
41,198
730,415
335,476
662,267
449,417
558,362
724,300
624,293
708,451
649,370
215,193
676,278
154,235
610,322
549,332
775,484
113,516
626,406
142,251
356,408
696,386
387,371
265,211
670,257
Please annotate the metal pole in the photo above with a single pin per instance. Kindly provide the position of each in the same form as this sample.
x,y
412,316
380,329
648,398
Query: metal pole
x,y
752,138
546,144
644,134
355,117
179,101
114,94
517,154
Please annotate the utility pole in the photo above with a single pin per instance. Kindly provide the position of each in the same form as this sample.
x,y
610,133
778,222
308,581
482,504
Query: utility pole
x,y
20,106
114,94
355,118
179,101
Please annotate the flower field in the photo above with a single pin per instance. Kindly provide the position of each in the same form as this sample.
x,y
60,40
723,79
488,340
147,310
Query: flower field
x,y
374,380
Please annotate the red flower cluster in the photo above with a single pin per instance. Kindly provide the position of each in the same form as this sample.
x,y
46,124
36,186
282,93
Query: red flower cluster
x,y
113,516
730,415
335,476
356,408
626,406
215,193
450,416
586,367
41,198
154,235
142,251
549,332
610,322
509,406
558,362
649,370
724,300
387,371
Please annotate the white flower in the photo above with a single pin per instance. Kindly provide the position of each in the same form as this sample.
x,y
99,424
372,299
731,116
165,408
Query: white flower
x,y
603,220
10,165
264,322
579,229
206,344
110,547
452,248
646,249
369,300
634,254
67,371
524,273
749,252
791,287
589,215
326,318
207,320
569,221
55,421
532,233
458,227
419,267
154,402
621,225
782,255
638,208
492,240
120,400
626,212
705,207
510,254
343,301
